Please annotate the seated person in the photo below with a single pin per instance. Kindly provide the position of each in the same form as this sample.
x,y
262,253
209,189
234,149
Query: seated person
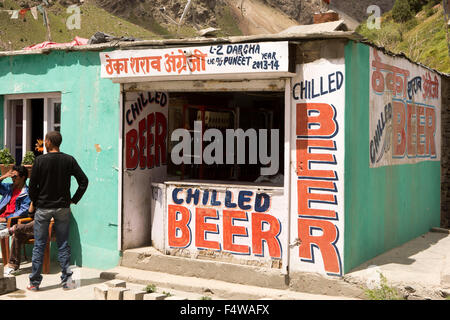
x,y
15,201
21,233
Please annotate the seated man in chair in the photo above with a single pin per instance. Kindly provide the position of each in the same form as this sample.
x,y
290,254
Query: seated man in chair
x,y
15,201
21,233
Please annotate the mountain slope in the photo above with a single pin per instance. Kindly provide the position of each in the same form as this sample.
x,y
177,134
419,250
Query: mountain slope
x,y
256,17
422,39
232,17
142,19
358,9
17,33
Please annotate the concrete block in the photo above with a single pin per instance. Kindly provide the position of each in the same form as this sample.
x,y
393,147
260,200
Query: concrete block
x,y
154,296
116,283
116,293
176,298
133,295
101,292
108,275
2,286
10,283
414,297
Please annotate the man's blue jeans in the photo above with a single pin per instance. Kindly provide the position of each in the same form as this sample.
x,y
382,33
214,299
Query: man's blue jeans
x,y
42,219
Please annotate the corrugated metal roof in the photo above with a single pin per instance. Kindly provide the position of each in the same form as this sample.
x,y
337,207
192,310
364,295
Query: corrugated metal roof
x,y
317,28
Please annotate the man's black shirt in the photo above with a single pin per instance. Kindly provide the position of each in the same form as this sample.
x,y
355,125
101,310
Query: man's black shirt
x,y
49,185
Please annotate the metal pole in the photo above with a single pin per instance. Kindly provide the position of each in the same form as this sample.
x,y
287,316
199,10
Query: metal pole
x,y
188,5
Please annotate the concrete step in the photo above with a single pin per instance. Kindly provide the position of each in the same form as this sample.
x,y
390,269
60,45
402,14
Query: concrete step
x,y
121,290
215,289
150,259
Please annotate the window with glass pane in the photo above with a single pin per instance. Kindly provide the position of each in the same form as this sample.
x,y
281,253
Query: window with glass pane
x,y
57,116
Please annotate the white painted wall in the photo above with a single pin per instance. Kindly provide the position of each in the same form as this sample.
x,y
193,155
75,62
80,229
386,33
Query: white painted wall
x,y
137,177
257,233
317,170
405,109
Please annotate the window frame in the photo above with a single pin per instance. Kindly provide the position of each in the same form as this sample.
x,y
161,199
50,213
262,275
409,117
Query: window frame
x,y
9,138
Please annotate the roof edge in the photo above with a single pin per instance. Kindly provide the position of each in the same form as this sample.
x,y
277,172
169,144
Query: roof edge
x,y
191,41
129,45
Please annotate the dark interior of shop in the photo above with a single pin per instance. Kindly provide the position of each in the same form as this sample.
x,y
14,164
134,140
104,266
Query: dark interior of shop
x,y
222,111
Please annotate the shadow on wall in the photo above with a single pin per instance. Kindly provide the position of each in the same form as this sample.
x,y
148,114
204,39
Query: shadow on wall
x,y
76,257
75,246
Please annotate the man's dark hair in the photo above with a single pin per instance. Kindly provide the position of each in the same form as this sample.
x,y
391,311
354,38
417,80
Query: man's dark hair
x,y
54,137
23,172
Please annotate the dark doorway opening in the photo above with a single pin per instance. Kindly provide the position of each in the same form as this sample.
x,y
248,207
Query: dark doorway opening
x,y
37,124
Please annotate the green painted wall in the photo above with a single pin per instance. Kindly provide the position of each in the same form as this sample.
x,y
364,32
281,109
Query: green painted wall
x,y
90,116
386,206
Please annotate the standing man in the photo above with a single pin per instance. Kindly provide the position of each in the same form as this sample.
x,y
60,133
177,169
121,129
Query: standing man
x,y
49,191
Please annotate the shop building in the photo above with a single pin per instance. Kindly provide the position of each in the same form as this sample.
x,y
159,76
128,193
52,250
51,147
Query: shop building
x,y
299,152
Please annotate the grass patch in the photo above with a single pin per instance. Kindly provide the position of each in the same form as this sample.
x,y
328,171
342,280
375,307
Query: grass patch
x,y
22,33
423,39
383,292
167,294
16,34
150,288
227,23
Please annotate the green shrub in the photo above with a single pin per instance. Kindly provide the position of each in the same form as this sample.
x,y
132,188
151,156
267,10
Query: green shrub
x,y
150,288
416,5
410,24
430,12
428,7
167,294
29,158
384,292
389,35
6,157
401,12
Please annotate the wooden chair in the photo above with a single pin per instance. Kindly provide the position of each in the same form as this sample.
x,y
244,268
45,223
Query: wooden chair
x,y
51,237
5,245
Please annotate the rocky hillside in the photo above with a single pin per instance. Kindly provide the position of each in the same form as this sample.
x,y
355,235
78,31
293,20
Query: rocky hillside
x,y
301,10
206,12
232,17
358,9
148,19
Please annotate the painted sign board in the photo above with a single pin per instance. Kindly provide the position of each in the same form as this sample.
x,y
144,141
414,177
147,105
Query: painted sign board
x,y
244,222
317,177
405,108
201,60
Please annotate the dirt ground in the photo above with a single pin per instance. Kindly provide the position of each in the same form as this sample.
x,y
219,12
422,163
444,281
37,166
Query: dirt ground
x,y
258,18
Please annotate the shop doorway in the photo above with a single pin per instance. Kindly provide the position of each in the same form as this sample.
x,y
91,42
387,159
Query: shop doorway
x,y
37,126
147,150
